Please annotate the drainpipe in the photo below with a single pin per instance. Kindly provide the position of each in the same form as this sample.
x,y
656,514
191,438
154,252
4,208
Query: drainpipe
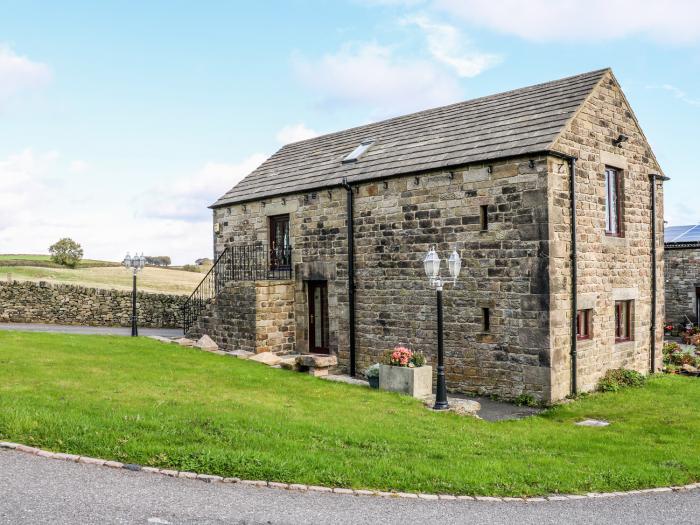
x,y
653,178
574,276
351,272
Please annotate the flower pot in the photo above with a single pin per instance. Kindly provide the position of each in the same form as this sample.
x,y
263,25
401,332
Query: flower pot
x,y
416,382
373,382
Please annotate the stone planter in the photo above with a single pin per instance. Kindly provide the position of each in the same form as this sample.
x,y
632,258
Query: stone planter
x,y
416,382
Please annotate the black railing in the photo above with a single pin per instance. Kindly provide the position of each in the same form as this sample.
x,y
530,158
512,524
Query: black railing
x,y
250,262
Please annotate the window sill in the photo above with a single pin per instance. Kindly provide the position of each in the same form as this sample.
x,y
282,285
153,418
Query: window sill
x,y
611,240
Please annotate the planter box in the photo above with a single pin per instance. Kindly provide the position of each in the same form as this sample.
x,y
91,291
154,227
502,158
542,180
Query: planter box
x,y
416,382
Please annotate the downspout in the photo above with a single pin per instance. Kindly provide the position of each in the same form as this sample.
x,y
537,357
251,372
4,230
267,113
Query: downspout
x,y
654,263
351,272
574,277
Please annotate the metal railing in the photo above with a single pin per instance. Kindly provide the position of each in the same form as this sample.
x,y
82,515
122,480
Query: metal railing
x,y
249,262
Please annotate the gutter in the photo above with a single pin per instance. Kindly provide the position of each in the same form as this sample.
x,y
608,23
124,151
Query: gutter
x,y
653,178
351,272
574,277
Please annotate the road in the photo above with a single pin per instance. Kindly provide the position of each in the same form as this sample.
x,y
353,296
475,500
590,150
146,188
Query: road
x,y
91,330
39,490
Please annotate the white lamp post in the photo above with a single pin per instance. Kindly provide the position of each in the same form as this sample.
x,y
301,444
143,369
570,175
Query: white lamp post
x,y
136,263
431,263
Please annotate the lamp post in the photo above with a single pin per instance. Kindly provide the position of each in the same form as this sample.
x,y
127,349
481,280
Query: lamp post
x,y
431,264
136,263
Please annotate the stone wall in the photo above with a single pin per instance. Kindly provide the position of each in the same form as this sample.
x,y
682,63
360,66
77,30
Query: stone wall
x,y
396,221
609,268
252,316
682,276
28,302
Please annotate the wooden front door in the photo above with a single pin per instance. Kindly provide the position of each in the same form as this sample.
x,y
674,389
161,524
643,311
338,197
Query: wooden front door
x,y
318,317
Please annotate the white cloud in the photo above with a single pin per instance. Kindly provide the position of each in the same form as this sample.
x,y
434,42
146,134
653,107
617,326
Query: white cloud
x,y
678,93
670,21
449,46
372,76
295,133
19,74
78,166
187,198
41,200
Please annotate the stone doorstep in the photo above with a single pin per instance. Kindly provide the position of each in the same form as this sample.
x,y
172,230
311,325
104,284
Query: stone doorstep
x,y
336,490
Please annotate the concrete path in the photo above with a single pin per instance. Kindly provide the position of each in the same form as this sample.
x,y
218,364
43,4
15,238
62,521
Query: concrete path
x,y
39,490
91,330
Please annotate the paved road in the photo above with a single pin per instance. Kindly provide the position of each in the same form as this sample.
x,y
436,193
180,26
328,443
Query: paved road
x,y
39,490
95,330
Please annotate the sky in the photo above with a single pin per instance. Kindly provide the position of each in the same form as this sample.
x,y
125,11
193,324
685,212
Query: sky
x,y
121,122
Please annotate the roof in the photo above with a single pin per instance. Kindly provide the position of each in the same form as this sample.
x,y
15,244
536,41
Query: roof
x,y
682,236
513,123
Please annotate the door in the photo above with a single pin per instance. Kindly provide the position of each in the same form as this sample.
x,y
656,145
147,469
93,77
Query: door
x,y
318,317
280,254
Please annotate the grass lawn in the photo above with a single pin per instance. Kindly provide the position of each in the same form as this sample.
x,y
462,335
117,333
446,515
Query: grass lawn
x,y
161,405
154,280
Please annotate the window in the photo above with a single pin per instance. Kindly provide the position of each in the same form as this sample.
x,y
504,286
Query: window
x,y
280,252
358,151
623,321
484,217
583,324
486,320
613,210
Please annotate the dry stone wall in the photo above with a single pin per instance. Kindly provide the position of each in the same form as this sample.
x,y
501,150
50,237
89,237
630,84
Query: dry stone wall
x,y
29,302
682,276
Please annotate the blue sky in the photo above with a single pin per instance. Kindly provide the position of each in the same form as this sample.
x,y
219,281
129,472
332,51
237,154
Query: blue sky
x,y
121,121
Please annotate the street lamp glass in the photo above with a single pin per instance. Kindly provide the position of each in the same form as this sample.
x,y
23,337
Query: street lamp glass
x,y
142,261
454,263
127,260
431,264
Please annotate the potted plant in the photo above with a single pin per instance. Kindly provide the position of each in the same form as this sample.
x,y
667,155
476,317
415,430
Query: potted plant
x,y
372,375
404,371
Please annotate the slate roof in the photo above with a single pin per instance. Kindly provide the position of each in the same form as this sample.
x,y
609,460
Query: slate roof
x,y
513,123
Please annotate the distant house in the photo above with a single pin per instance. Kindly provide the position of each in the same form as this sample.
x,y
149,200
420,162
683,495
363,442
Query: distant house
x,y
321,247
682,273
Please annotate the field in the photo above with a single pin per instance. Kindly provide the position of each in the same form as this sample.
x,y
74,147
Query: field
x,y
97,274
136,400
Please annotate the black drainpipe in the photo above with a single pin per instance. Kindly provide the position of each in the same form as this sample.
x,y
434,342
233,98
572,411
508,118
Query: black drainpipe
x,y
574,276
654,263
351,272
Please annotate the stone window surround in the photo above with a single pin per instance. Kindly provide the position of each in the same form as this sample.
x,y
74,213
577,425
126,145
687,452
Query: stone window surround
x,y
619,163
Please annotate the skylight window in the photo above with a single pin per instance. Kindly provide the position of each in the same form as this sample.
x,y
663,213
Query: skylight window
x,y
358,151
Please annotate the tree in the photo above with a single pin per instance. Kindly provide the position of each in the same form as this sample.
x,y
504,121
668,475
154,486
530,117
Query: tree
x,y
66,252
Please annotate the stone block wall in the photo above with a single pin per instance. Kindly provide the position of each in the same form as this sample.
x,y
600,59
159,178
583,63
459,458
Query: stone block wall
x,y
252,316
29,302
682,276
609,268
396,221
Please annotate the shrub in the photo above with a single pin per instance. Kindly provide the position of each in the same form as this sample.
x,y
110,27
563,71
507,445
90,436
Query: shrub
x,y
66,252
525,400
618,378
190,268
372,371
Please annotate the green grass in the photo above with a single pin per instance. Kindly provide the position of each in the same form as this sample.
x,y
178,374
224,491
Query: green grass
x,y
44,261
156,404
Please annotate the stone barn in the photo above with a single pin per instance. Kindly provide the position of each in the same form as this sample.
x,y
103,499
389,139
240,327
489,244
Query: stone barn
x,y
550,193
682,274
